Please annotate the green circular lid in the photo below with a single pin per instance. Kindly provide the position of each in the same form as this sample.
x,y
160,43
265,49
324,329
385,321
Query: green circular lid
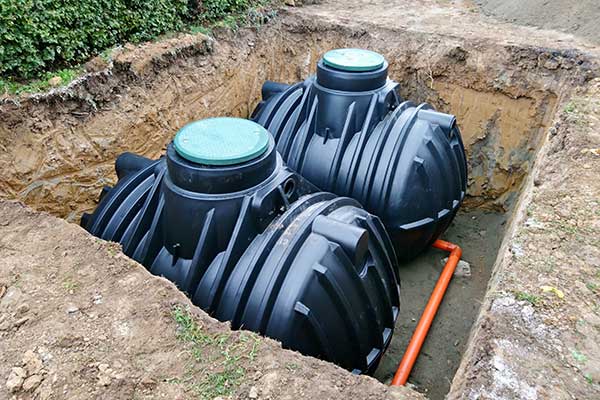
x,y
221,141
353,60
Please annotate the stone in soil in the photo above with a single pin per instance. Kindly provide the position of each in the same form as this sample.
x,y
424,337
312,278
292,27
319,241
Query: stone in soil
x,y
15,379
463,268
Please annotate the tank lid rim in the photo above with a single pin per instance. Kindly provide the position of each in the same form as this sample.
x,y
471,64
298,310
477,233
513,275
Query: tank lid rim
x,y
221,141
353,60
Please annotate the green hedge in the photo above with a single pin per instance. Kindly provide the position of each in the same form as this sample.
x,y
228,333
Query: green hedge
x,y
215,9
41,35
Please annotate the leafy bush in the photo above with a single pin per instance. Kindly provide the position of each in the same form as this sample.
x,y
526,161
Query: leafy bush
x,y
39,35
217,9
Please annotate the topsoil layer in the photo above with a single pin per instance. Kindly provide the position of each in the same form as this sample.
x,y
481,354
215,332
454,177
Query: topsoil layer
x,y
577,17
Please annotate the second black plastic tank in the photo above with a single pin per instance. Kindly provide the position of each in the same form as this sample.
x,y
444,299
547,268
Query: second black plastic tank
x,y
252,242
347,131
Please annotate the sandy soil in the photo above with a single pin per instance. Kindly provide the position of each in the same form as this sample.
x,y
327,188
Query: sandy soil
x,y
80,320
577,17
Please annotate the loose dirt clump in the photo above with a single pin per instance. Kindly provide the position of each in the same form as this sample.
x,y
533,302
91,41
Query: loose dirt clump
x,y
79,320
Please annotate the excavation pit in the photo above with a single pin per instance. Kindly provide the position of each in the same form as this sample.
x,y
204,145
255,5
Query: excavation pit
x,y
60,148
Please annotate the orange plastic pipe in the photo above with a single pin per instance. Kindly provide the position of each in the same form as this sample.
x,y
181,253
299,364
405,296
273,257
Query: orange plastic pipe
x,y
416,342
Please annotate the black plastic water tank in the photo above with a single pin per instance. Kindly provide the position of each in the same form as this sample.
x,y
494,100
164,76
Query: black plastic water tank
x,y
347,131
254,243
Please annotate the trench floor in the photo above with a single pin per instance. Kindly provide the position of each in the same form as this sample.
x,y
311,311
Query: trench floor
x,y
479,233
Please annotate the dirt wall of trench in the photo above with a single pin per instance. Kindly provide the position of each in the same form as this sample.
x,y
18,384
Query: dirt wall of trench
x,y
58,149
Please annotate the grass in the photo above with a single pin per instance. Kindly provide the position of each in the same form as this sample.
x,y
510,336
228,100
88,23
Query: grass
x,y
524,296
67,75
69,285
570,107
579,357
291,366
233,22
255,16
195,29
220,357
106,54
